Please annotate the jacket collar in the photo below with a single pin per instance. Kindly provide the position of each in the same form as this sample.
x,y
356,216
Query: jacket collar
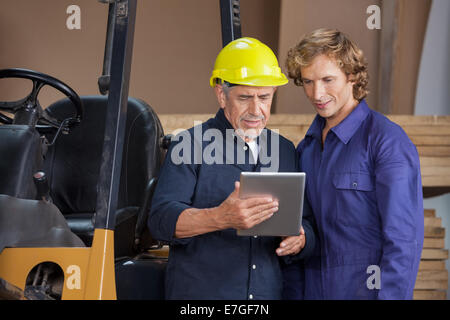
x,y
222,122
346,128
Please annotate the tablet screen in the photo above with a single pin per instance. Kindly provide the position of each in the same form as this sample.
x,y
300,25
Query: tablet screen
x,y
288,188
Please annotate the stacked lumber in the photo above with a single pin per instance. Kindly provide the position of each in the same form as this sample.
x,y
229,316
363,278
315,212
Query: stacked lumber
x,y
432,279
430,134
174,123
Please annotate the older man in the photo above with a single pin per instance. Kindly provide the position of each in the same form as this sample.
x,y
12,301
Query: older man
x,y
363,179
196,206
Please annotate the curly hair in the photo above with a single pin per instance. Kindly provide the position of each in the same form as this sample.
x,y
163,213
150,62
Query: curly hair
x,y
333,44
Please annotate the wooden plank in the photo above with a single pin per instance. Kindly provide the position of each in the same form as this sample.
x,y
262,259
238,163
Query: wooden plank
x,y
424,130
434,161
307,119
402,120
174,131
434,232
415,126
429,212
419,120
427,275
434,254
434,151
432,265
430,295
184,121
388,55
432,222
435,171
431,284
435,181
430,140
438,243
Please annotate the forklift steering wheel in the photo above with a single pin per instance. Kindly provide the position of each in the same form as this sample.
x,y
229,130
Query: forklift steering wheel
x,y
28,111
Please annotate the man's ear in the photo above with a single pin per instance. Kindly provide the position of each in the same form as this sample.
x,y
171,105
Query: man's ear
x,y
220,94
351,78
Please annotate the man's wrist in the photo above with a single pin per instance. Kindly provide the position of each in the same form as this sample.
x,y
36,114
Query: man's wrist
x,y
216,216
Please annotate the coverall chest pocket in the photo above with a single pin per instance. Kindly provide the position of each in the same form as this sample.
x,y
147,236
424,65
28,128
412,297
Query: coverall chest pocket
x,y
355,199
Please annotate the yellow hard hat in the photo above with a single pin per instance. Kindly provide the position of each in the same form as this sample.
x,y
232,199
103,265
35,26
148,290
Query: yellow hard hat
x,y
249,62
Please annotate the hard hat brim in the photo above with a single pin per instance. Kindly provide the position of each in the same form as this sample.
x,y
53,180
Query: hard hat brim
x,y
256,82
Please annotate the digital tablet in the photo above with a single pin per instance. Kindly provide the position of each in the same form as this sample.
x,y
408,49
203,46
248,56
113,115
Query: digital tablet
x,y
288,188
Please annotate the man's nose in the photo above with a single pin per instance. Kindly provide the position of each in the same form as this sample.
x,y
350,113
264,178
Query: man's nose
x,y
318,91
255,107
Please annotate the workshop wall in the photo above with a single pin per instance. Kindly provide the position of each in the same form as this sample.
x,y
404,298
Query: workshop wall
x,y
175,46
177,41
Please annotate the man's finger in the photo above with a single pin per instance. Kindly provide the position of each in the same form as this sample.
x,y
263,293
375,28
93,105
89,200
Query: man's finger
x,y
237,186
254,202
284,251
292,240
255,210
263,215
291,245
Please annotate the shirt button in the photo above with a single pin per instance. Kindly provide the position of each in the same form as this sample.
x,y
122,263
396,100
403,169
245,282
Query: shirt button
x,y
355,185
245,148
254,266
250,296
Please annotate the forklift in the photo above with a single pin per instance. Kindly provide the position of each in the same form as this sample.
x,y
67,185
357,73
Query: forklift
x,y
76,184
77,178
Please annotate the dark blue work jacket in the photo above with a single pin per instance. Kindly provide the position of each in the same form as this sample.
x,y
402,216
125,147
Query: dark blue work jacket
x,y
364,187
220,264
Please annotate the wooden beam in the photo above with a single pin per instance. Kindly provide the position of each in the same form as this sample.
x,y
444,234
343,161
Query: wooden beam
x,y
430,140
436,243
432,222
435,171
434,232
387,55
431,284
436,184
434,254
429,212
432,275
432,265
434,161
402,34
430,295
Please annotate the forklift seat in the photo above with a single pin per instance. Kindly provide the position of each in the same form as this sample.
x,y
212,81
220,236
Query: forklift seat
x,y
73,163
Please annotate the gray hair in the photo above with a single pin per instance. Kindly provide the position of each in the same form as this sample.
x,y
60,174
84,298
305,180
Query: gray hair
x,y
226,87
